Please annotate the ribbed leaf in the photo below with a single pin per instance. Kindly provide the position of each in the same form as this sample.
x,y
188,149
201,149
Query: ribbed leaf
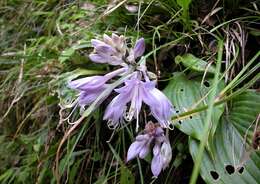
x,y
185,93
230,164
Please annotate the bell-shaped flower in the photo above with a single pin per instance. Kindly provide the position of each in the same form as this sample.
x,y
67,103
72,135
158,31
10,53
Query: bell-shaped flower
x,y
162,155
162,152
136,92
111,50
132,92
140,147
115,110
139,48
160,106
91,87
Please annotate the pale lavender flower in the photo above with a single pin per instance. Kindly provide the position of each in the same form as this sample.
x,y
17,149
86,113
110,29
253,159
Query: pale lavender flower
x,y
136,92
132,92
91,87
139,48
162,155
111,50
162,152
160,106
141,146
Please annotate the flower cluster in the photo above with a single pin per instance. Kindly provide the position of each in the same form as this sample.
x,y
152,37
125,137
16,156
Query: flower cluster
x,y
137,89
162,152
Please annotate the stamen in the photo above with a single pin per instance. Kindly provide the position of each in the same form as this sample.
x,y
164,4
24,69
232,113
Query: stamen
x,y
137,122
112,125
75,104
170,125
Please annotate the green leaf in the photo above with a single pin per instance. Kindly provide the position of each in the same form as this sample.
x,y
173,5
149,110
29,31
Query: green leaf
x,y
66,54
184,3
101,180
230,163
126,176
184,95
7,174
194,63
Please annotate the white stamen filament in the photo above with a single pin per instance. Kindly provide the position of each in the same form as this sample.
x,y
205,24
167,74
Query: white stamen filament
x,y
132,108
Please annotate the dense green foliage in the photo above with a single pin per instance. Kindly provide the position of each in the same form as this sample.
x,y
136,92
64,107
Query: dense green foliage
x,y
44,43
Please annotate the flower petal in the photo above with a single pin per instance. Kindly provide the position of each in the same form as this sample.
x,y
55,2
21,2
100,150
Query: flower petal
x,y
88,83
156,165
133,150
139,48
105,49
161,107
145,150
98,58
86,98
107,39
166,152
96,42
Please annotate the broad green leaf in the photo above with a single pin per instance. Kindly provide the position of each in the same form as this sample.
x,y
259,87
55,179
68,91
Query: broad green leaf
x,y
194,63
229,164
184,94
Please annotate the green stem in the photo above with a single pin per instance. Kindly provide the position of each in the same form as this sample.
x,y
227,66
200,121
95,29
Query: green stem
x,y
218,102
204,140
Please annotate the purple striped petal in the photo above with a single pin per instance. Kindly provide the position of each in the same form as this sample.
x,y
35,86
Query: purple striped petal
x,y
115,38
98,58
140,147
105,49
115,110
88,83
87,98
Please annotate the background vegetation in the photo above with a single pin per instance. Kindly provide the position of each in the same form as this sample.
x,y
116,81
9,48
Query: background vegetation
x,y
44,43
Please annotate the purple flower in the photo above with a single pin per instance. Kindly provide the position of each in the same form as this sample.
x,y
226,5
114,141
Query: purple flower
x,y
132,92
137,51
139,48
88,83
111,50
160,106
162,155
115,110
136,92
140,147
91,87
162,152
